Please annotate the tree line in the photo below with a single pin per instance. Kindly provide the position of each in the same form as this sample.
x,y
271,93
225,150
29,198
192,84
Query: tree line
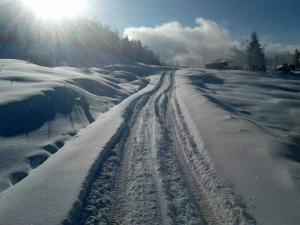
x,y
250,55
79,41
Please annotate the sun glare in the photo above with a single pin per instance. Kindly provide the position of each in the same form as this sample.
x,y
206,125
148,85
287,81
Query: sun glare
x,y
56,9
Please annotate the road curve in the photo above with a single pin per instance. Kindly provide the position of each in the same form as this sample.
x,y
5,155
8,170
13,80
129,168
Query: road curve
x,y
156,174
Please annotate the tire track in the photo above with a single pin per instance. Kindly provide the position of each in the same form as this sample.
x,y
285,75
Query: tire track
x,y
155,174
104,204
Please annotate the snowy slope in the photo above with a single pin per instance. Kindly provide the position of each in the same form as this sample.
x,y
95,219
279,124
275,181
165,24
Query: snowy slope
x,y
249,126
41,108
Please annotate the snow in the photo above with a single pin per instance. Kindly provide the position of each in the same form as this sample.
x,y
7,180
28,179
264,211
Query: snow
x,y
130,143
224,110
41,108
48,194
52,192
142,180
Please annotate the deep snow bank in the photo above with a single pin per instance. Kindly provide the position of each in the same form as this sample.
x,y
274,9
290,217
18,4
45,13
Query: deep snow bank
x,y
239,118
51,193
41,108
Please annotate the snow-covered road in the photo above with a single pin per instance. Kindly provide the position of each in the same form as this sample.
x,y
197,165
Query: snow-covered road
x,y
172,154
156,173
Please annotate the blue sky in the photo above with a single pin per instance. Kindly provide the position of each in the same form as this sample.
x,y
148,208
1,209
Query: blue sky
x,y
277,21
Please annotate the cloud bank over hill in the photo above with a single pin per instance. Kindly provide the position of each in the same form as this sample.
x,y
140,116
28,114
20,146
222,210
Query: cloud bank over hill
x,y
177,44
193,46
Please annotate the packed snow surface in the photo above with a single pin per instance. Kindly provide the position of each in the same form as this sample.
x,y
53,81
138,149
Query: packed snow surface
x,y
135,144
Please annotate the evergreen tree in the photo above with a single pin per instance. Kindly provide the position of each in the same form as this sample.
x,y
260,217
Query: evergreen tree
x,y
255,54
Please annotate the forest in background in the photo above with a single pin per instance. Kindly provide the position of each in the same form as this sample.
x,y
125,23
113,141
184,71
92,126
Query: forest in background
x,y
74,42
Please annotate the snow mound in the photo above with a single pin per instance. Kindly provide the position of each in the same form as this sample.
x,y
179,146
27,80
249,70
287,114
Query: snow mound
x,y
41,108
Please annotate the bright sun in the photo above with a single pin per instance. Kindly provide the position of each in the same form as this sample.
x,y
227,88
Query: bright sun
x,y
56,9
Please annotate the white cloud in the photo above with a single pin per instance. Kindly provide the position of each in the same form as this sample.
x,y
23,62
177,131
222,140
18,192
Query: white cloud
x,y
193,46
276,49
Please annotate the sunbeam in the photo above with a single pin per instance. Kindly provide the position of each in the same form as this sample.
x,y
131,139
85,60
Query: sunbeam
x,y
56,9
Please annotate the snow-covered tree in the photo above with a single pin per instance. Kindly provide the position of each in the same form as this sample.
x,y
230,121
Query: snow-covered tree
x,y
255,54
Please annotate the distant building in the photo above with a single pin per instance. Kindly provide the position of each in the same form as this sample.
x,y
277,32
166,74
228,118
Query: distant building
x,y
220,64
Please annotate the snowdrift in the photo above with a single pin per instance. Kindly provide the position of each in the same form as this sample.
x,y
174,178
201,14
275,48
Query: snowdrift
x,y
248,124
41,108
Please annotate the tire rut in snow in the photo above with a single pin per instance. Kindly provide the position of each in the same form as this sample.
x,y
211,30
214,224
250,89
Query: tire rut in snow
x,y
156,174
182,205
104,198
